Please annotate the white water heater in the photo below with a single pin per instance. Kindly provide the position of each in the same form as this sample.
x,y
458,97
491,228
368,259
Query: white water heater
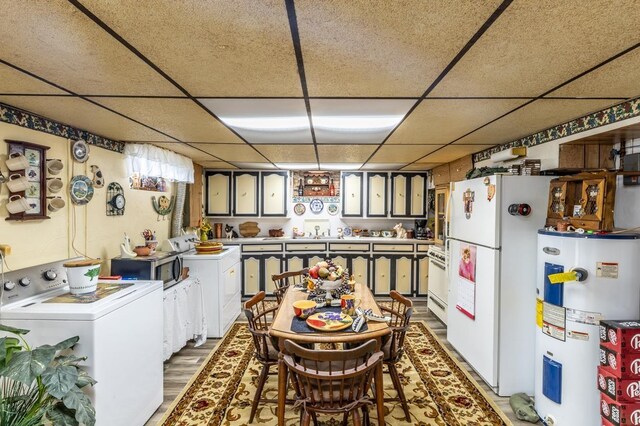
x,y
606,268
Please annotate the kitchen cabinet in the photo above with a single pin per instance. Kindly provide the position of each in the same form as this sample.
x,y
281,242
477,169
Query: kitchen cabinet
x,y
245,193
357,264
377,194
422,275
408,197
352,194
218,190
585,156
257,270
441,175
193,209
441,215
459,168
274,194
392,272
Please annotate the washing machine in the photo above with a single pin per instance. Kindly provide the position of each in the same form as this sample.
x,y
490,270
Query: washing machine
x,y
581,279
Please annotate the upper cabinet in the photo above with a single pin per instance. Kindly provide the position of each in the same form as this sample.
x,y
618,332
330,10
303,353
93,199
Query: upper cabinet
x,y
441,175
274,194
218,200
352,194
245,193
454,171
408,194
377,194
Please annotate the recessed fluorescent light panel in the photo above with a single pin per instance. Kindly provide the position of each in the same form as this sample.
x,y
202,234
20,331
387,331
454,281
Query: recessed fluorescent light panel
x,y
268,121
362,121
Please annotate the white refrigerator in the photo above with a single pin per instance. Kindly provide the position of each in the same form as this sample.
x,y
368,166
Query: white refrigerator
x,y
491,257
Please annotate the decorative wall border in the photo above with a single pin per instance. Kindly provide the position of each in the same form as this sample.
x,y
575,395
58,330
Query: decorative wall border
x,y
613,114
12,115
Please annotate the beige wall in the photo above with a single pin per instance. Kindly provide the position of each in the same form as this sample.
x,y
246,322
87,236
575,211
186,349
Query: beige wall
x,y
97,235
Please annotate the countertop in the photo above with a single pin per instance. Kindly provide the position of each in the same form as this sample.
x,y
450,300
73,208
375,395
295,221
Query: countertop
x,y
266,240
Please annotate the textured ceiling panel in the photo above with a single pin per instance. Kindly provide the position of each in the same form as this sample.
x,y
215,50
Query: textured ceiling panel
x,y
233,153
84,115
383,48
262,166
382,166
534,117
215,165
345,153
264,120
394,154
440,121
452,152
619,78
14,81
181,118
55,41
184,149
342,120
536,45
421,166
287,153
211,48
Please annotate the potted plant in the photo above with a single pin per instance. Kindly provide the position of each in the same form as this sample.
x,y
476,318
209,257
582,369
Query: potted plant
x,y
42,384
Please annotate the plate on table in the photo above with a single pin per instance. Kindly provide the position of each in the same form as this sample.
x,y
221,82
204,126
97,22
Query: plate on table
x,y
81,190
299,209
316,205
329,321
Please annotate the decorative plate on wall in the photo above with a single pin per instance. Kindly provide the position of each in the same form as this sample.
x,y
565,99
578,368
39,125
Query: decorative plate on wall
x,y
81,190
332,209
299,209
80,151
316,206
346,232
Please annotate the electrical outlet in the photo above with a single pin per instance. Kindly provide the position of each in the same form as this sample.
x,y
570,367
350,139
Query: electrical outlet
x,y
5,249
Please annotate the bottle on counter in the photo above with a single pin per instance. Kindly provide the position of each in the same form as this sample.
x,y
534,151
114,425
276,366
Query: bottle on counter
x,y
332,189
300,188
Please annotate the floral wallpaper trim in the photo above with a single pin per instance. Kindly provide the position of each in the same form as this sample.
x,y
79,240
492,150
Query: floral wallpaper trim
x,y
619,112
12,115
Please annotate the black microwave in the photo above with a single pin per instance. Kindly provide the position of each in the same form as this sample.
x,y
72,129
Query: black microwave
x,y
165,267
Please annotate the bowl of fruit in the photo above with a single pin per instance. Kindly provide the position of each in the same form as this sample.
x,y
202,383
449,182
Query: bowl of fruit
x,y
327,276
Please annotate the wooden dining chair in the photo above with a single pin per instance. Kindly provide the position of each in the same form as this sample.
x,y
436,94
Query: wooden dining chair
x,y
400,312
283,281
331,381
260,316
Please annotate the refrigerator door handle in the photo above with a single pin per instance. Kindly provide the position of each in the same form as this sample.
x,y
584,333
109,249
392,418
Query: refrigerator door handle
x,y
446,216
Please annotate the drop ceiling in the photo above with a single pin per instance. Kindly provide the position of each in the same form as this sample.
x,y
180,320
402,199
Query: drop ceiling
x,y
374,85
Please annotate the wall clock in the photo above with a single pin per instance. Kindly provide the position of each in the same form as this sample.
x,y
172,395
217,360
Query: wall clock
x,y
115,200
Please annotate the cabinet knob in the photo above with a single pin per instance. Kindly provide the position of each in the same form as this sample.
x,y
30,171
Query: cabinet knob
x,y
273,194
404,276
244,194
401,194
251,276
382,275
378,195
353,195
418,195
218,193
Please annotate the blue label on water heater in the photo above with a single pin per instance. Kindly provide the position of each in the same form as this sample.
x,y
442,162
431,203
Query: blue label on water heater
x,y
553,293
552,379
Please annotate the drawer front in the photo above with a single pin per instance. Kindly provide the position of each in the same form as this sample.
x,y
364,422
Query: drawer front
x,y
438,307
230,260
253,248
422,247
231,284
393,247
360,247
313,247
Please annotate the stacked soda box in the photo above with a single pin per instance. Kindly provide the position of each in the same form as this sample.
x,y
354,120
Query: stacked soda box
x,y
619,372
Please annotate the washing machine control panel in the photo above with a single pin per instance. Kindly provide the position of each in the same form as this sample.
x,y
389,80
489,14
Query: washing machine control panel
x,y
28,282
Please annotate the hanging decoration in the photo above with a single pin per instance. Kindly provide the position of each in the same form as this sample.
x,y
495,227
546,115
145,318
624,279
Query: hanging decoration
x,y
163,205
467,198
115,199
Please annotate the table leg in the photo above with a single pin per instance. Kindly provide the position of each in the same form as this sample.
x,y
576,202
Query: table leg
x,y
282,389
379,395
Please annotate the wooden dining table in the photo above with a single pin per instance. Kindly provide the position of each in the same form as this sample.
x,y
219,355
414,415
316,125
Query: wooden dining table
x,y
281,329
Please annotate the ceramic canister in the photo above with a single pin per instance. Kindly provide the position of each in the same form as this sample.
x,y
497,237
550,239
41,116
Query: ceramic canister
x,y
83,275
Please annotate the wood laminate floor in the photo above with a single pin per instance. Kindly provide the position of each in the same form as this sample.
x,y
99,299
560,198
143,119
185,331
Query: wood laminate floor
x,y
183,365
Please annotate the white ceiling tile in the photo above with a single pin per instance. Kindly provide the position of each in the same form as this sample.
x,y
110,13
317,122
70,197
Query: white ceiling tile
x,y
267,121
348,121
382,166
297,166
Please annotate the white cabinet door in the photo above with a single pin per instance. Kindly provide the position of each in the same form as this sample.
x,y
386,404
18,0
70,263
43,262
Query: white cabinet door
x,y
245,194
360,269
218,202
352,194
377,194
422,271
295,263
382,275
251,275
272,266
399,197
314,259
404,275
274,194
418,194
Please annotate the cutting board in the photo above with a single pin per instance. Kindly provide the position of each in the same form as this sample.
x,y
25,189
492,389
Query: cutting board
x,y
249,229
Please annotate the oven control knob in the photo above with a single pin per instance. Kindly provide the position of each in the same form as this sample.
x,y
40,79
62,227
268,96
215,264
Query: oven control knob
x,y
24,282
50,275
9,285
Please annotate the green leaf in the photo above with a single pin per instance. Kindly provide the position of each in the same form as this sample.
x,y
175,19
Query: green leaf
x,y
61,416
66,344
84,379
13,330
69,359
26,365
59,380
79,402
92,273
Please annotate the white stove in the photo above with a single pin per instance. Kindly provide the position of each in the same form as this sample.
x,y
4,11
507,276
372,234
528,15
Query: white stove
x,y
438,293
120,330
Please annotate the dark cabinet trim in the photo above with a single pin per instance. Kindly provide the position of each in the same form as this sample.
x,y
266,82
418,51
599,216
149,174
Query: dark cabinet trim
x,y
262,284
207,189
386,194
235,189
392,279
344,193
416,275
285,193
407,191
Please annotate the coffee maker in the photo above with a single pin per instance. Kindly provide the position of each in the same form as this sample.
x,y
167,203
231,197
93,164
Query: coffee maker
x,y
421,230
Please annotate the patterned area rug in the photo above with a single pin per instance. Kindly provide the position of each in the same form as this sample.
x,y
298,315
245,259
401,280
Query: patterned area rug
x,y
440,392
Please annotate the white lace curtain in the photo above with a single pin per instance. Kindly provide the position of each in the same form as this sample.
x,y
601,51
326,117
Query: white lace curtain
x,y
150,160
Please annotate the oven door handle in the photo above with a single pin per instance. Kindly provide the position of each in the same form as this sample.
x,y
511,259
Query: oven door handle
x,y
438,264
